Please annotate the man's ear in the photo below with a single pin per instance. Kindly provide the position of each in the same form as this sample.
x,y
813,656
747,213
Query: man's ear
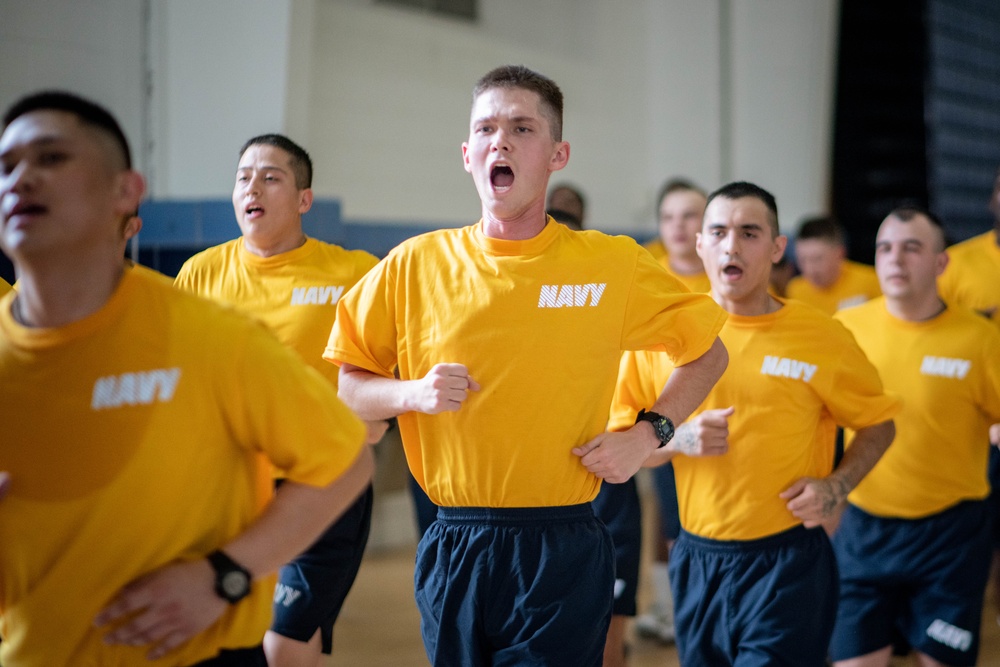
x,y
560,158
132,227
780,243
131,188
465,157
305,200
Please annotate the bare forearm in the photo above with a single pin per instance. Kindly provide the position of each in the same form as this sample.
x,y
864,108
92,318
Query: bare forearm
x,y
297,514
371,396
444,389
689,384
866,449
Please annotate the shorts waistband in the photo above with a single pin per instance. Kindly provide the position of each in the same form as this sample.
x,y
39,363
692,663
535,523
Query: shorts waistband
x,y
796,534
515,516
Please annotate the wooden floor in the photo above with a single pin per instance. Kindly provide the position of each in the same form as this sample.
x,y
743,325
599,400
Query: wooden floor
x,y
380,627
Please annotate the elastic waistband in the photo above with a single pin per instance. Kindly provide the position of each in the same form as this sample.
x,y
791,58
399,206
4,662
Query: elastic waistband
x,y
796,534
946,515
515,516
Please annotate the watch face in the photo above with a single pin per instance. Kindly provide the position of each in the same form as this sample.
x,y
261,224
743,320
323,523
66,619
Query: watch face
x,y
235,584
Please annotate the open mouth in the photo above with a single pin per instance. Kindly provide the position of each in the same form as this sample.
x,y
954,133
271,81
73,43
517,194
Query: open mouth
x,y
501,177
732,271
27,210
253,211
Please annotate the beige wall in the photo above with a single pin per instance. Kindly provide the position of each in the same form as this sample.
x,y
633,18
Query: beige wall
x,y
713,89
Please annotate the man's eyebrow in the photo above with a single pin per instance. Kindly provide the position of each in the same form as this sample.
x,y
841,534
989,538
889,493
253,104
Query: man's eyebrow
x,y
43,140
266,167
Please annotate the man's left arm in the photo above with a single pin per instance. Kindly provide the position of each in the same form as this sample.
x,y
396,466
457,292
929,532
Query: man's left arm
x,y
817,501
615,457
176,602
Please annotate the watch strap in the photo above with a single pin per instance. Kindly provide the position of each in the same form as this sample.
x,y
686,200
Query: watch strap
x,y
225,569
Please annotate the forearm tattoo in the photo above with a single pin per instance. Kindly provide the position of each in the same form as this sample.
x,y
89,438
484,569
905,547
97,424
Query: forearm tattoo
x,y
684,441
831,494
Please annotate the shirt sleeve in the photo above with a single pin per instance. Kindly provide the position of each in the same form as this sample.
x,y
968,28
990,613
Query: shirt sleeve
x,y
364,333
663,315
291,413
634,391
855,396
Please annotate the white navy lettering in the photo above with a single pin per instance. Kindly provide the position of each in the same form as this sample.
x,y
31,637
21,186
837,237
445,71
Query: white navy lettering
x,y
286,595
142,388
318,296
575,296
949,635
788,368
945,367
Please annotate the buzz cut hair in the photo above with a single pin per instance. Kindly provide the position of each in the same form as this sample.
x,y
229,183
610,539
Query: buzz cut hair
x,y
87,112
675,185
741,189
519,76
908,211
302,166
821,228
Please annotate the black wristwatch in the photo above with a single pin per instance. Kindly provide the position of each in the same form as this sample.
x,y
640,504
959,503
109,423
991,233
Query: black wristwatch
x,y
232,580
662,426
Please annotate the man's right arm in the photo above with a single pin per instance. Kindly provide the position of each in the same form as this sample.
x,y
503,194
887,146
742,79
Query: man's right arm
x,y
372,396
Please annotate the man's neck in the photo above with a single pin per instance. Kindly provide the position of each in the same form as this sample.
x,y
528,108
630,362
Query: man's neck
x,y
915,310
686,265
60,293
525,225
752,305
269,248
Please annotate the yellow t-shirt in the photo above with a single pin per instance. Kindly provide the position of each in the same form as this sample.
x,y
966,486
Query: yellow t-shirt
x,y
793,375
656,248
294,294
132,438
540,324
947,371
972,277
856,284
4,287
698,282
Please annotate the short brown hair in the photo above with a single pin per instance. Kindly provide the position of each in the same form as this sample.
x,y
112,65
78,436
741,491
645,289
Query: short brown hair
x,y
519,76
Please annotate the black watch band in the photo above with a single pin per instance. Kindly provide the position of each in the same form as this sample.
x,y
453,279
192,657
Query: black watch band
x,y
232,580
662,426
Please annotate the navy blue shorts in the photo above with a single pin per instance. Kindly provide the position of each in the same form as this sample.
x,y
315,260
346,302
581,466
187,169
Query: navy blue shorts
x,y
994,497
515,586
770,601
424,511
240,657
666,501
617,506
311,589
921,580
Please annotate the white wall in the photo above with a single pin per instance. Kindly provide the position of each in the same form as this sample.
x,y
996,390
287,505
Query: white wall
x,y
91,47
219,77
380,96
783,85
644,84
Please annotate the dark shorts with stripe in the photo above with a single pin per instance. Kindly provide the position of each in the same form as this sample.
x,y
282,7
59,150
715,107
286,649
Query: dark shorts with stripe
x,y
761,602
311,589
515,586
919,580
617,506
